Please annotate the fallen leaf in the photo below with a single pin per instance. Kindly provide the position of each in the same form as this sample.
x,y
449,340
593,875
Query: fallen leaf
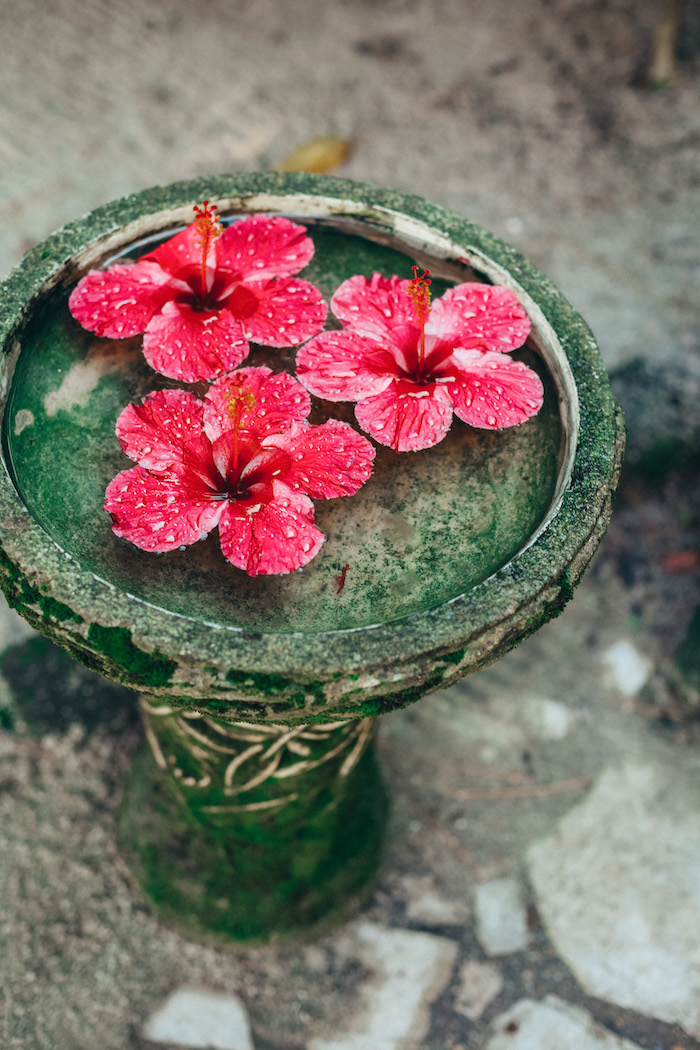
x,y
319,155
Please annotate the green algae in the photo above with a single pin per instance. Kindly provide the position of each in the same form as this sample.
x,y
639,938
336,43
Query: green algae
x,y
146,669
28,599
284,873
454,658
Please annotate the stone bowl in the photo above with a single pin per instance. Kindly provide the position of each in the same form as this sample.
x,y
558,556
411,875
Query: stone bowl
x,y
445,560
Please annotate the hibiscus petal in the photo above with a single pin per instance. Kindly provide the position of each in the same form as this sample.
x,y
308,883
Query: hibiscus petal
x,y
156,432
157,512
246,462
277,536
192,345
326,461
346,366
407,416
256,399
374,307
181,255
198,471
479,316
282,312
262,246
119,302
493,391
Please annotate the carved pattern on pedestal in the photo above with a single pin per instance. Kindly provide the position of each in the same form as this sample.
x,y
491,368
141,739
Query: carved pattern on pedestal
x,y
240,756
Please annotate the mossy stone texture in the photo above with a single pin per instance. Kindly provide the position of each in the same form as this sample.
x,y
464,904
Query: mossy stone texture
x,y
249,834
453,554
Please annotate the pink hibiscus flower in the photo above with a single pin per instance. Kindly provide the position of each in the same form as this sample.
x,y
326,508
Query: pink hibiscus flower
x,y
410,365
244,459
204,293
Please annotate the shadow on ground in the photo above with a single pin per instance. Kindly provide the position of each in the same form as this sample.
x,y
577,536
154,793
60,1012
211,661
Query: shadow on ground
x,y
49,692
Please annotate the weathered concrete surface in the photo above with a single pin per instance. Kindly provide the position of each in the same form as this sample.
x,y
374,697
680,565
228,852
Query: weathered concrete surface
x,y
195,1018
551,1025
617,886
501,921
409,971
480,983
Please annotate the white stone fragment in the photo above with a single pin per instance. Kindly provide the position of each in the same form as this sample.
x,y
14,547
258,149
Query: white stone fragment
x,y
480,983
540,716
618,889
427,905
501,919
552,1024
502,726
549,719
196,1018
409,971
627,670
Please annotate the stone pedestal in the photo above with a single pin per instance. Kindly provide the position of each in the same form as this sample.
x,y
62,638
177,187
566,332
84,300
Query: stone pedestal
x,y
247,831
259,809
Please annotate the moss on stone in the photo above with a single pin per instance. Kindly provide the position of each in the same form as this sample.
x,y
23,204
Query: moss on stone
x,y
57,610
454,658
143,669
247,876
20,593
566,591
287,692
255,681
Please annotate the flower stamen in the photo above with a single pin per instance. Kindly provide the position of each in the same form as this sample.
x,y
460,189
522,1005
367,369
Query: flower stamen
x,y
207,227
238,406
419,294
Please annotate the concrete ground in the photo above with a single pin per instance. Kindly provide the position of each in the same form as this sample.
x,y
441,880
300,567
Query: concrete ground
x,y
541,887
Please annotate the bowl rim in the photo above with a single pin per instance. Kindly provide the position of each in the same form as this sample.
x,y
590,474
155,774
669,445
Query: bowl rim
x,y
497,612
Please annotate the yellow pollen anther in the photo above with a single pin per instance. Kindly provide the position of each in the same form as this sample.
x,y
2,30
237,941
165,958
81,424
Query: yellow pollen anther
x,y
207,224
419,292
238,404
207,227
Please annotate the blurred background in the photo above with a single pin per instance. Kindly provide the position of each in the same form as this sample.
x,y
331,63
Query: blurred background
x,y
570,128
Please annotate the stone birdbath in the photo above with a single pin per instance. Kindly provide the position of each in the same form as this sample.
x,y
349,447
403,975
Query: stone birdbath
x,y
256,809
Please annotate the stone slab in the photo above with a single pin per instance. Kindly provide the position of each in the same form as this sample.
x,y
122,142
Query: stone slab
x,y
618,888
199,1018
627,669
409,971
552,1025
501,920
428,905
480,983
